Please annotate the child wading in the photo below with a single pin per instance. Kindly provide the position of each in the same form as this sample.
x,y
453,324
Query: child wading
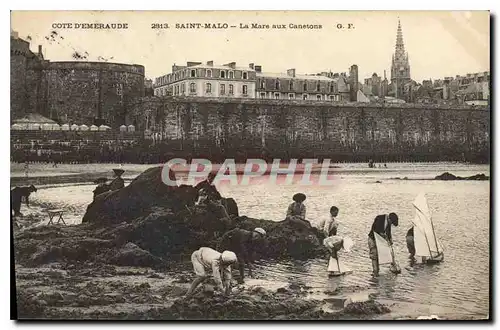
x,y
334,244
382,226
331,225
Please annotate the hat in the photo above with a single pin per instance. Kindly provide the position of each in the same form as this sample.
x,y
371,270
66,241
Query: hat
x,y
348,244
229,257
118,171
260,231
300,197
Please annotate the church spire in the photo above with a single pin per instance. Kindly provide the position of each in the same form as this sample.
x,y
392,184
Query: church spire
x,y
400,68
400,45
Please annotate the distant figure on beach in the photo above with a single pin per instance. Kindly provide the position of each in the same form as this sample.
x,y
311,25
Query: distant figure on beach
x,y
385,165
334,244
331,225
242,242
16,196
101,187
117,182
382,226
205,259
296,212
410,243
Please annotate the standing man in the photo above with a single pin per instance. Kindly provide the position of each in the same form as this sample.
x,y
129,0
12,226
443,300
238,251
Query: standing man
x,y
242,242
117,182
220,264
382,226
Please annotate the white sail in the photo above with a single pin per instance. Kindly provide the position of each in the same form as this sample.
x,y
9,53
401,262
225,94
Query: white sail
x,y
336,265
426,243
383,250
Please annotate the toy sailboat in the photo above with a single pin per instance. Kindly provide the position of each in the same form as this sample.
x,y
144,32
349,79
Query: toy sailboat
x,y
427,245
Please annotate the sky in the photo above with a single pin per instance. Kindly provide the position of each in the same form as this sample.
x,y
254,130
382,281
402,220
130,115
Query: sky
x,y
439,43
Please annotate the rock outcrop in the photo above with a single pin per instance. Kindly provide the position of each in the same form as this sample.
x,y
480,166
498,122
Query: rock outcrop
x,y
446,176
148,222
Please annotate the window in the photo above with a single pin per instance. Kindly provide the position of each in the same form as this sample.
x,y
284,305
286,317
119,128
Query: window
x,y
223,74
183,74
183,89
318,87
222,89
291,85
262,84
277,84
305,87
209,73
231,89
332,97
193,73
304,97
318,97
177,90
192,88
331,88
276,96
262,95
245,89
291,96
245,75
231,75
209,88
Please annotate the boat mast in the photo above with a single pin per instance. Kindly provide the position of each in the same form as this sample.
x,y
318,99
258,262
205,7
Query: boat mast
x,y
433,233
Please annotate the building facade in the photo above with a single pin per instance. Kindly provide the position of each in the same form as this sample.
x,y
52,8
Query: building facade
x,y
294,86
230,81
207,80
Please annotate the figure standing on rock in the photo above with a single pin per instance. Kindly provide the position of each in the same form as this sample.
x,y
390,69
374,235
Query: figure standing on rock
x,y
220,263
117,182
296,212
242,242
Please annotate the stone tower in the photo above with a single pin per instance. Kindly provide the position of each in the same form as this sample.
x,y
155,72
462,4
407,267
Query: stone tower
x,y
400,68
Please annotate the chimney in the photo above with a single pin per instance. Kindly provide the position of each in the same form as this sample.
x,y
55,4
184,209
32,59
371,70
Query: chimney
x,y
232,65
210,63
251,66
290,72
39,49
258,68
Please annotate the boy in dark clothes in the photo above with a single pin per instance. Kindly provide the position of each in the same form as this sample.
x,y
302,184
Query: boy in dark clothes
x,y
382,226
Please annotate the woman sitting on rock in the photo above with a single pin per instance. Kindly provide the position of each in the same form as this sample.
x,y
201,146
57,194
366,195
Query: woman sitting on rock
x,y
296,212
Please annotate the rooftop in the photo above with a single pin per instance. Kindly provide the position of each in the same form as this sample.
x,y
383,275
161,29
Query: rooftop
x,y
284,75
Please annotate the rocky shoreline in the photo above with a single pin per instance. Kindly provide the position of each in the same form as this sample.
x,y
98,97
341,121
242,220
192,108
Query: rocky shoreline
x,y
122,262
